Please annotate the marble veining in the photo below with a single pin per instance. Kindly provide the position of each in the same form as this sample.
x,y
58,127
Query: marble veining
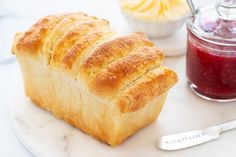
x,y
67,140
46,124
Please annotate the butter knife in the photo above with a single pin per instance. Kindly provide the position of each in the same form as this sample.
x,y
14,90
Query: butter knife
x,y
193,138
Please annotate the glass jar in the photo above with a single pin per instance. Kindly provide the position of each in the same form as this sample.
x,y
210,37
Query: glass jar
x,y
211,52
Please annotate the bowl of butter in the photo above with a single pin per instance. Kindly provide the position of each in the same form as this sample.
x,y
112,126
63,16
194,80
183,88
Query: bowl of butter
x,y
156,18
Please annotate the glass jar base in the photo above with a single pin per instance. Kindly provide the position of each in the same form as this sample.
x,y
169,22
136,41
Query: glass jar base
x,y
193,87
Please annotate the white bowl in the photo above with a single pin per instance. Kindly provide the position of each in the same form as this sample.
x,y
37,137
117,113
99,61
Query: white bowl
x,y
174,45
155,29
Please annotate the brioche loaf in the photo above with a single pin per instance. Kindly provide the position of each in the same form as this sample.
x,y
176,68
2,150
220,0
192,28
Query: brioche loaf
x,y
76,67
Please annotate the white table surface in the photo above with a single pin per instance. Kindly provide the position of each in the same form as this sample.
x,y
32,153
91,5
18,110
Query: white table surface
x,y
22,14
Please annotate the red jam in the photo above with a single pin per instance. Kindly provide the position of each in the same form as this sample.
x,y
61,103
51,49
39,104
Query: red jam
x,y
211,68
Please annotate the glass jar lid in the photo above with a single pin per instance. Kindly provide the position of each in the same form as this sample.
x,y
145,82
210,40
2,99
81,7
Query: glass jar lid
x,y
216,23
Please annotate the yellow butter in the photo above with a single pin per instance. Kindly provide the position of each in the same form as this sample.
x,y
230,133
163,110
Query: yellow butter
x,y
155,10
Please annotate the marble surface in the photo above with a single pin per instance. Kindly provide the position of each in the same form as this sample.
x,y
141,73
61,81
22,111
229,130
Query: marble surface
x,y
47,136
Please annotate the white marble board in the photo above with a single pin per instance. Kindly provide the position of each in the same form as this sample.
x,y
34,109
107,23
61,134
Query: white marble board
x,y
47,136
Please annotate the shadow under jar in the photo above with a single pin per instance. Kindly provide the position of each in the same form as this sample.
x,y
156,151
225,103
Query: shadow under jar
x,y
211,52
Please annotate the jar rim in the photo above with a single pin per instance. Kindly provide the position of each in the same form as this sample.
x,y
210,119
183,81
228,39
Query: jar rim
x,y
206,38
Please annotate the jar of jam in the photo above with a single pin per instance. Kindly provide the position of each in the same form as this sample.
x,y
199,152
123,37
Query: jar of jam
x,y
211,51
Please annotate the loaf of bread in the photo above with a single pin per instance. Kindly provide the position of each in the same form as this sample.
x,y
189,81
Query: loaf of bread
x,y
78,68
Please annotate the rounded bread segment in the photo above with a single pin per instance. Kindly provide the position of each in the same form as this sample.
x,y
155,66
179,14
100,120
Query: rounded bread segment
x,y
120,73
69,38
62,27
154,83
112,50
32,40
80,48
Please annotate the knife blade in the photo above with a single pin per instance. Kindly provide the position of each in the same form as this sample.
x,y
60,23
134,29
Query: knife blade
x,y
193,138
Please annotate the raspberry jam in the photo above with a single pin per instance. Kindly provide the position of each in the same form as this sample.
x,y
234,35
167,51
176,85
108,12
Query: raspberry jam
x,y
211,69
211,52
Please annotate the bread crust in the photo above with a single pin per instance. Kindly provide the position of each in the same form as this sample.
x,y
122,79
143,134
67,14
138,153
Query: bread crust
x,y
112,78
32,40
76,67
152,84
112,50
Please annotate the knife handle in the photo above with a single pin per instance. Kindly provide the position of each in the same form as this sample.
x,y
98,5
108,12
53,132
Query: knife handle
x,y
227,126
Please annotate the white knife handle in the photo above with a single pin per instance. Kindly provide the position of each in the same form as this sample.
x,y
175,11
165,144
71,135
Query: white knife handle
x,y
230,125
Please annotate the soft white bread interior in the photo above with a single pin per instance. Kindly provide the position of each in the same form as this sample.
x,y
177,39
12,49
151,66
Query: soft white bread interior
x,y
107,85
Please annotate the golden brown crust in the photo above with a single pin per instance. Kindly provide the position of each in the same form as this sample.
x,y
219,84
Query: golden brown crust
x,y
111,51
33,39
63,26
82,45
17,37
120,73
153,84
76,33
